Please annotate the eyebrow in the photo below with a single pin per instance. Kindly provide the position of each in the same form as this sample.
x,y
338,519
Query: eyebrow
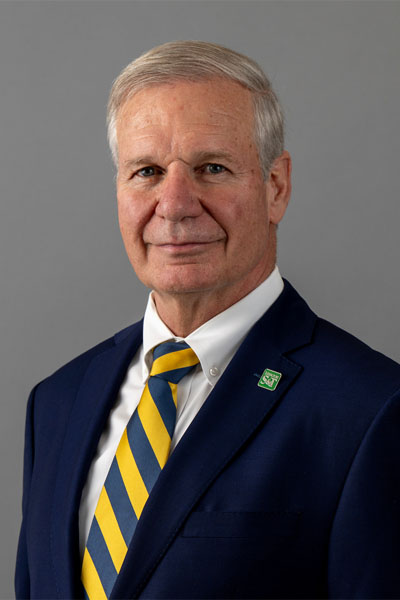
x,y
141,160
214,155
203,156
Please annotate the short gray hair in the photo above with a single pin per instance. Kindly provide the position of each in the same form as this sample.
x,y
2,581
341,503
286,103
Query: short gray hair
x,y
196,61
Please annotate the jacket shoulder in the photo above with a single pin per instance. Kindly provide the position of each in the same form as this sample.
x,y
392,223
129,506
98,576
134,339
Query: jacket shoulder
x,y
345,346
68,376
319,345
339,356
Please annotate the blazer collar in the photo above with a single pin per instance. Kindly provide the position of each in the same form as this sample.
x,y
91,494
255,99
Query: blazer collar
x,y
230,416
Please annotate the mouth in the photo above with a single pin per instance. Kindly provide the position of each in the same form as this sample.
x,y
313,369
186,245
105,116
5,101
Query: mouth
x,y
189,247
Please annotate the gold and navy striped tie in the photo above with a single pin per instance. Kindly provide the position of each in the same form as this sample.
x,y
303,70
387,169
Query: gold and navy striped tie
x,y
141,454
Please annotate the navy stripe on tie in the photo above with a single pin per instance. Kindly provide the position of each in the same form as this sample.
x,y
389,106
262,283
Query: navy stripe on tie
x,y
120,502
101,557
145,458
168,348
162,396
175,375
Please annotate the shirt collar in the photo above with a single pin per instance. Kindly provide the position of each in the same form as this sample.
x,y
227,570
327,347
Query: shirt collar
x,y
216,341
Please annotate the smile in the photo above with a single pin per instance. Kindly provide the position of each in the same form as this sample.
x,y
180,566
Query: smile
x,y
184,248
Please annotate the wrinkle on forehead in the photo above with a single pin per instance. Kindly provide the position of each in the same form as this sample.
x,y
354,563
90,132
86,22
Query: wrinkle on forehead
x,y
145,119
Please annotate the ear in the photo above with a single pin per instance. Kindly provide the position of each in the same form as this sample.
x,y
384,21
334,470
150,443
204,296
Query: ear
x,y
279,187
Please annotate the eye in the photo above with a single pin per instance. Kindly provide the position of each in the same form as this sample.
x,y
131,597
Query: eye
x,y
146,172
214,168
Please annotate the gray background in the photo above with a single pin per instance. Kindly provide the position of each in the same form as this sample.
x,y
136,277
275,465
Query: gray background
x,y
65,281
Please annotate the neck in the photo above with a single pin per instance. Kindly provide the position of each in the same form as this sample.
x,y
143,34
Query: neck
x,y
183,313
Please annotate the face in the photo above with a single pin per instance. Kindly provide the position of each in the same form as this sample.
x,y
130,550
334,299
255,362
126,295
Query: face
x,y
195,214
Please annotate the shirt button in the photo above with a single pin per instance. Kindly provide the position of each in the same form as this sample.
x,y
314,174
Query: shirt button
x,y
214,371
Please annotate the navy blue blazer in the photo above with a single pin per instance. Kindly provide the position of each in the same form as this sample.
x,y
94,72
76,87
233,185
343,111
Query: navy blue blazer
x,y
292,493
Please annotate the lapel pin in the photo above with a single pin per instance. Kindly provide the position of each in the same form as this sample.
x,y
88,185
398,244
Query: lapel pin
x,y
269,380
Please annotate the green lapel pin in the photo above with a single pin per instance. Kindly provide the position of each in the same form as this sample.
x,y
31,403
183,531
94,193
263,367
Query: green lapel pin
x,y
269,380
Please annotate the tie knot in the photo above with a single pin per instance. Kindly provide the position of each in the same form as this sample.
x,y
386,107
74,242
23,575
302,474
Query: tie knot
x,y
172,361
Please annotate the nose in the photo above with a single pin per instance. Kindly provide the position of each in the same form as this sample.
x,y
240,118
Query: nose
x,y
178,196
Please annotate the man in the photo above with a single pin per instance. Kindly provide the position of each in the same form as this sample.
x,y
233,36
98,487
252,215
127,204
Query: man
x,y
279,473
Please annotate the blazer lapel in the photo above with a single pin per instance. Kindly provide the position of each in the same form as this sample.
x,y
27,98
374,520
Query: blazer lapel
x,y
95,398
229,417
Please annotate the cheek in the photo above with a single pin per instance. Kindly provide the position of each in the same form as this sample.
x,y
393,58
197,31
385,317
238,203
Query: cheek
x,y
133,214
245,221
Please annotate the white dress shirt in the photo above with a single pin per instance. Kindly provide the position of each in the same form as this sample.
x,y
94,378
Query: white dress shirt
x,y
214,343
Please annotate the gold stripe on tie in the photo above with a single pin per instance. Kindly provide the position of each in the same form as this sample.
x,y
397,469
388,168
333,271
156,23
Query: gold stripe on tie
x,y
91,580
177,360
174,390
131,476
110,530
154,427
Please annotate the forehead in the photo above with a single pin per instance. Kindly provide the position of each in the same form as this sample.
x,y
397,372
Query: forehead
x,y
215,108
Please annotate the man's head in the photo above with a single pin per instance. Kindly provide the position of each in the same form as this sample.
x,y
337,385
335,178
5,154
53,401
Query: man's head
x,y
198,201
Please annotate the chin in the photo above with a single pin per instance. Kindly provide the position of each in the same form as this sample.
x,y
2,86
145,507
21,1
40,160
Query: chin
x,y
184,281
181,287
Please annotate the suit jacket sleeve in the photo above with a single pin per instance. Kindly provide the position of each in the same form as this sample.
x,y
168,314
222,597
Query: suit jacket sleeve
x,y
22,579
365,540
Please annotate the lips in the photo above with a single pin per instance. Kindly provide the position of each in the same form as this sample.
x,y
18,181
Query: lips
x,y
188,243
182,242
183,248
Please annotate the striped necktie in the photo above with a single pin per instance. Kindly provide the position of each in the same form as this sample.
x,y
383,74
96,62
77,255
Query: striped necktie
x,y
141,454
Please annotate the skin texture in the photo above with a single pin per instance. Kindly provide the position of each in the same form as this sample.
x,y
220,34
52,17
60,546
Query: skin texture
x,y
196,216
